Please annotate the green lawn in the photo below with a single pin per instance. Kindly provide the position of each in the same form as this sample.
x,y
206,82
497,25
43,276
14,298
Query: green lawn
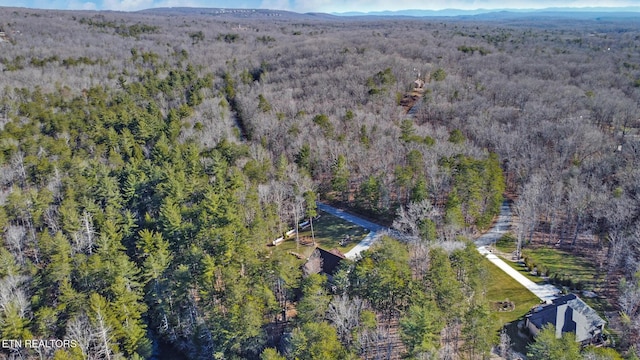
x,y
564,265
506,244
558,262
582,273
329,231
503,287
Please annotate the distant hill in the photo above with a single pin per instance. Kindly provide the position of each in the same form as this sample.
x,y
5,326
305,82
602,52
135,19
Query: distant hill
x,y
417,13
600,13
235,13
574,14
488,14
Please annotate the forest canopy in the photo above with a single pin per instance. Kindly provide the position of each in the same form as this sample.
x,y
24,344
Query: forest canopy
x,y
148,159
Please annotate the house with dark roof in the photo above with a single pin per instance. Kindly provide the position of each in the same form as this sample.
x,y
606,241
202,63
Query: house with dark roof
x,y
323,262
568,314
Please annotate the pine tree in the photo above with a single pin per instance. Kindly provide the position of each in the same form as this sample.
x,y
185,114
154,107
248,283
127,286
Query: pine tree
x,y
420,328
547,346
340,179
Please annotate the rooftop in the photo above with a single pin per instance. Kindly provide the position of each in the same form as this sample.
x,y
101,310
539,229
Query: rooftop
x,y
568,314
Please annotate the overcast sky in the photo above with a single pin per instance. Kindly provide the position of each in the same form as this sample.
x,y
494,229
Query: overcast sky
x,y
327,6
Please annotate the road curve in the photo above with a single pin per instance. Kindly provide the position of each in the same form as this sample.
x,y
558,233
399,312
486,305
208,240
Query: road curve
x,y
375,230
501,227
545,292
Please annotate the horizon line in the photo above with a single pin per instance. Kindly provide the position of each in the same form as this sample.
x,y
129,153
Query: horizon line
x,y
373,12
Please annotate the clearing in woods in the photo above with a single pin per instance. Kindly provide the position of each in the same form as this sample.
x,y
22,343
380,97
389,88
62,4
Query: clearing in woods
x,y
330,232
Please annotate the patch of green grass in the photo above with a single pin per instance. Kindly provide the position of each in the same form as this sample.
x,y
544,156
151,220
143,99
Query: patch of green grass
x,y
565,265
506,244
506,247
600,305
329,230
503,287
555,262
290,245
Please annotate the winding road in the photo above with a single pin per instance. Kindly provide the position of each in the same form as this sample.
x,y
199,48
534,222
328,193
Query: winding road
x,y
501,227
375,230
545,292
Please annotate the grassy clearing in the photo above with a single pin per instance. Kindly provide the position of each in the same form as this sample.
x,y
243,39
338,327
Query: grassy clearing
x,y
556,262
329,231
503,287
564,265
581,271
506,244
600,304
506,247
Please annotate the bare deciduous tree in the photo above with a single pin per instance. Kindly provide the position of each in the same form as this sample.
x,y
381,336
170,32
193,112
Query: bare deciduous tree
x,y
408,221
504,345
16,240
344,313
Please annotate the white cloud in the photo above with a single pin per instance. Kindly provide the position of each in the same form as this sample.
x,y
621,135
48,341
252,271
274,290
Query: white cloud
x,y
82,5
127,5
319,5
179,3
39,4
253,4
275,5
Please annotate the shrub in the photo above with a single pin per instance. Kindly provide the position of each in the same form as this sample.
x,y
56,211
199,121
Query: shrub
x,y
542,270
579,285
438,74
456,136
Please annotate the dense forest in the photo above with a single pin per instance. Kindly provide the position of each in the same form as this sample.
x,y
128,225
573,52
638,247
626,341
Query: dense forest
x,y
147,160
